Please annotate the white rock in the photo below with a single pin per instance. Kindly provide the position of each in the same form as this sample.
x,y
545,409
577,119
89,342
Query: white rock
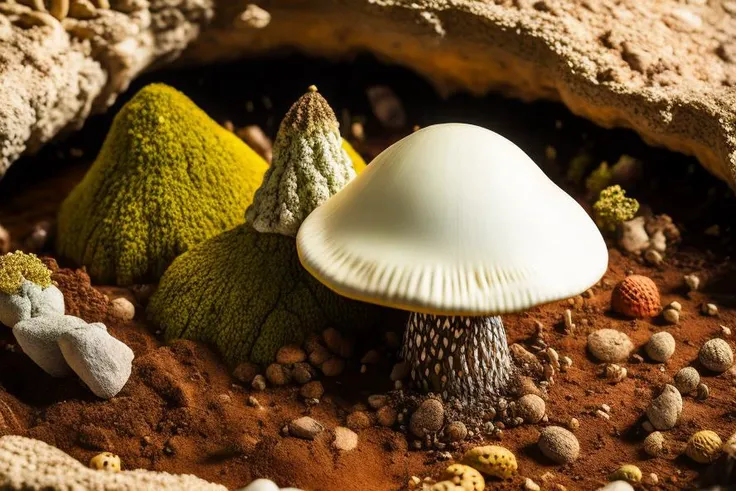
x,y
39,336
123,309
661,346
617,486
664,411
101,361
261,485
633,237
345,439
610,345
30,302
305,427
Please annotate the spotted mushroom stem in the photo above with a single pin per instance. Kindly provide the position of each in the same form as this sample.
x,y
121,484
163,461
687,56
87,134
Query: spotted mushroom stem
x,y
457,356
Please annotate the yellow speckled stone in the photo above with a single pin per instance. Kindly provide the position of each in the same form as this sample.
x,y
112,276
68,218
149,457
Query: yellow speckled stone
x,y
704,447
465,476
492,460
105,461
627,472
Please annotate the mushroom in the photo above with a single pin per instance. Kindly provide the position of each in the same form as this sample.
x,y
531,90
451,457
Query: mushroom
x,y
457,225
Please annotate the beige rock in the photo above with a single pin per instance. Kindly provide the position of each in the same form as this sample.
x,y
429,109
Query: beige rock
x,y
305,427
290,354
312,390
664,411
31,464
428,418
359,420
610,345
661,346
654,444
386,416
687,380
345,439
530,408
716,355
123,309
559,444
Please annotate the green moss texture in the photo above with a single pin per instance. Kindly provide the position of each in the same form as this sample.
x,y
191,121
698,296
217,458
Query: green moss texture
x,y
18,266
167,178
246,293
613,207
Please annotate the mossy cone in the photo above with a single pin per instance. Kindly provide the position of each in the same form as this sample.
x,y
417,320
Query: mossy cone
x,y
167,178
246,293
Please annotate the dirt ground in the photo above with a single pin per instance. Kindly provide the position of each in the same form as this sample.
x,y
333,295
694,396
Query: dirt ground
x,y
182,411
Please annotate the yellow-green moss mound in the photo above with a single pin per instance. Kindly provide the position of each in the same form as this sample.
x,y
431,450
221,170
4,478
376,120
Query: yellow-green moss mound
x,y
167,178
18,266
246,293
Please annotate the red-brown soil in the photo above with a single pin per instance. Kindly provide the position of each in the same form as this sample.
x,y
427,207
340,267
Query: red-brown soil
x,y
173,414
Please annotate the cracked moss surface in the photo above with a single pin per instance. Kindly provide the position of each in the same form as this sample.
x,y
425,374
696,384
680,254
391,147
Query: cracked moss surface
x,y
245,291
167,178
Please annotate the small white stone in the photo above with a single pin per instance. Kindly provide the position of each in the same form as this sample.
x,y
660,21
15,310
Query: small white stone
x,y
665,410
671,316
345,439
567,317
101,361
675,305
710,309
692,281
530,485
617,486
123,309
261,485
602,414
687,380
653,257
716,355
725,331
661,346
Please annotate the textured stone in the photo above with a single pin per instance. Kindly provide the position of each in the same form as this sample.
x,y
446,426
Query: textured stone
x,y
31,464
39,338
610,345
305,427
559,444
101,361
31,301
345,439
428,418
664,411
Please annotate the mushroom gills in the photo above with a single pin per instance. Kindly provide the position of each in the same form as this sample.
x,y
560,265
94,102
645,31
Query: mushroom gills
x,y
457,356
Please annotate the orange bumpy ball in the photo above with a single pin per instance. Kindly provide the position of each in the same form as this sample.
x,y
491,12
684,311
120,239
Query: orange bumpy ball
x,y
636,296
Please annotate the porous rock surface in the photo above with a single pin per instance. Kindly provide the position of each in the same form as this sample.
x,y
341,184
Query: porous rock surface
x,y
26,463
664,68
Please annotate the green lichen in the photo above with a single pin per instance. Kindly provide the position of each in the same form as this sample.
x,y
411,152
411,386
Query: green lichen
x,y
613,207
578,167
244,291
599,179
167,178
18,266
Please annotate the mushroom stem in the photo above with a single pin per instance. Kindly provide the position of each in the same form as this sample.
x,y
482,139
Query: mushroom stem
x,y
457,356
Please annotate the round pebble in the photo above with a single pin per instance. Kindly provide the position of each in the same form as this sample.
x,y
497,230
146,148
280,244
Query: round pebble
x,y
105,461
654,444
627,472
687,380
610,345
456,431
123,309
428,418
277,374
716,355
359,420
704,447
386,416
312,390
559,444
290,354
530,408
333,367
672,316
661,346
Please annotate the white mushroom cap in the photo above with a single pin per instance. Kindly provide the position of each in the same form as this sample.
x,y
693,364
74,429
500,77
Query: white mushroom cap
x,y
454,219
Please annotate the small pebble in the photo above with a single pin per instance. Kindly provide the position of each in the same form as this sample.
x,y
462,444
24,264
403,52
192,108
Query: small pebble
x,y
359,420
277,374
456,431
627,472
312,390
245,372
573,424
615,373
123,309
530,408
428,418
664,411
671,316
675,306
653,257
386,416
377,401
710,309
259,383
716,355
305,427
105,461
290,354
725,331
692,281
654,444
559,444
687,380
610,345
530,485
704,447
661,346
567,318
253,402
345,439
702,392
617,486
302,373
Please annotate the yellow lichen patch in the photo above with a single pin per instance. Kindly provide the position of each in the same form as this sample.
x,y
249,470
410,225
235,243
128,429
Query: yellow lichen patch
x,y
704,447
18,266
105,461
613,207
465,476
491,460
358,163
167,178
627,472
